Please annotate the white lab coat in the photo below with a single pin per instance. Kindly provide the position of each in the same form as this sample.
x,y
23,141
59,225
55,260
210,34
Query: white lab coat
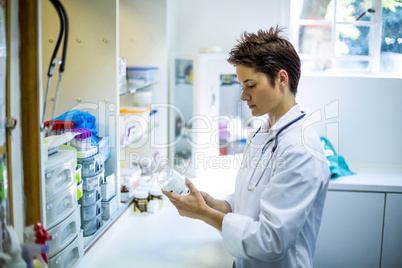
x,y
277,224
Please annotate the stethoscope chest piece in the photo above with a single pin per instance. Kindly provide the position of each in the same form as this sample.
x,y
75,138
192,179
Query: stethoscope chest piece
x,y
251,188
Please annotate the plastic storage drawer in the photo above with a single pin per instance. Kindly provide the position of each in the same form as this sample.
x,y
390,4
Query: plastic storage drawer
x,y
109,208
64,232
93,181
90,227
59,172
91,164
90,212
91,197
70,256
60,206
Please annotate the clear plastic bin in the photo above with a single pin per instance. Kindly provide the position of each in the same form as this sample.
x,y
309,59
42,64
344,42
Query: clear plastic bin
x,y
60,206
91,165
64,232
93,181
90,212
91,197
70,256
141,75
109,208
90,227
59,172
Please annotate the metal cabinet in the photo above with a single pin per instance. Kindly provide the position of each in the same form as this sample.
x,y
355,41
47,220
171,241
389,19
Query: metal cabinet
x,y
351,230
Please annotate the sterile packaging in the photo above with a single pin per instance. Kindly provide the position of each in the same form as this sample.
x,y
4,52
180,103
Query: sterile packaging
x,y
172,181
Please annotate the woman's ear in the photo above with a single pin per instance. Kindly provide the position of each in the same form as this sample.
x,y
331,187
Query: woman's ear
x,y
283,79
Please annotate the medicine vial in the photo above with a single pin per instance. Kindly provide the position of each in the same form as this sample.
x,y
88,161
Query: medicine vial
x,y
140,201
172,181
156,194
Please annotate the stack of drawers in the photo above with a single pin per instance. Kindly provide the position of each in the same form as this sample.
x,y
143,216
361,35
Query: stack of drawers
x,y
92,176
62,210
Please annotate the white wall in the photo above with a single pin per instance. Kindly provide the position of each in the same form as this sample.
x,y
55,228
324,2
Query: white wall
x,y
194,24
366,127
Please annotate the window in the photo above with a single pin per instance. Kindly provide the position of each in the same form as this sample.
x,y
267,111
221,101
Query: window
x,y
359,36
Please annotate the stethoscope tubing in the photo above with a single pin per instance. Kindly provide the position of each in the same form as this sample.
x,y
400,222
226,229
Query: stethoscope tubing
x,y
275,140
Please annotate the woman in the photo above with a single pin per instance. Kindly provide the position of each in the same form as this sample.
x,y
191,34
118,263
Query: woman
x,y
273,218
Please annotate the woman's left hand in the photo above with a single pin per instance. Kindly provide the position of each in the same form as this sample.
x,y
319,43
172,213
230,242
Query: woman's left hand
x,y
192,205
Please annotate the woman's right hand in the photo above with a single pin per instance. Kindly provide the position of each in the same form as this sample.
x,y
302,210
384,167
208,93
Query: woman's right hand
x,y
220,205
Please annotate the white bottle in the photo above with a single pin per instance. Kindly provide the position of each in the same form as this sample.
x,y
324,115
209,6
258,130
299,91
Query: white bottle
x,y
172,181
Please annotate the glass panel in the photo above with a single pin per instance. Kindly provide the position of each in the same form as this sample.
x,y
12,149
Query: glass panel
x,y
351,66
352,40
315,39
354,10
315,9
182,112
232,114
316,65
391,40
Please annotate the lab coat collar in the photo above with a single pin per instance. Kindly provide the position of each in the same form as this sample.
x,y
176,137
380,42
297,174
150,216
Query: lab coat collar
x,y
292,114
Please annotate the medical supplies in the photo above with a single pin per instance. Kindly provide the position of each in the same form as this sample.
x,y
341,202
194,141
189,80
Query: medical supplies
x,y
156,194
140,201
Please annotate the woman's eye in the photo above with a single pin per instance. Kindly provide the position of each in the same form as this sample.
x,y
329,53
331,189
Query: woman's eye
x,y
251,86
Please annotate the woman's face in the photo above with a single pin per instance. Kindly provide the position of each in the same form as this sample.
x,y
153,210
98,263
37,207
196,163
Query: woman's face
x,y
261,97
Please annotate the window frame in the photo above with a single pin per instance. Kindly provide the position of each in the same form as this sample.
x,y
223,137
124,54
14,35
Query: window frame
x,y
375,25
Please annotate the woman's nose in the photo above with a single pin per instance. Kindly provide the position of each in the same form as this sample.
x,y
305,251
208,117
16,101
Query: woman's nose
x,y
244,96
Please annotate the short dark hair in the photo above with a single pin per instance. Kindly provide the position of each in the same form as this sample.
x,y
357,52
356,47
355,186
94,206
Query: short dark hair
x,y
268,52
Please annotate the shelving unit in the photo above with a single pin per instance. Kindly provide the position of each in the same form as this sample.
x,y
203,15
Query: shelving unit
x,y
130,89
98,37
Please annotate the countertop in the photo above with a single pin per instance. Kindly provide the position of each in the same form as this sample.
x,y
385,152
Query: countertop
x,y
370,179
166,239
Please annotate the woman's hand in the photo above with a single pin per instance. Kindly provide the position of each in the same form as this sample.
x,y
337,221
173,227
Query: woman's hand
x,y
192,205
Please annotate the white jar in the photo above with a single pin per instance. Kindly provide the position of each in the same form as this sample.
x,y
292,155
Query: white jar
x,y
172,181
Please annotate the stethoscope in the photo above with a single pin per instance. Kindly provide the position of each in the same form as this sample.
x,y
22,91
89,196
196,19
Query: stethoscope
x,y
54,60
275,140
